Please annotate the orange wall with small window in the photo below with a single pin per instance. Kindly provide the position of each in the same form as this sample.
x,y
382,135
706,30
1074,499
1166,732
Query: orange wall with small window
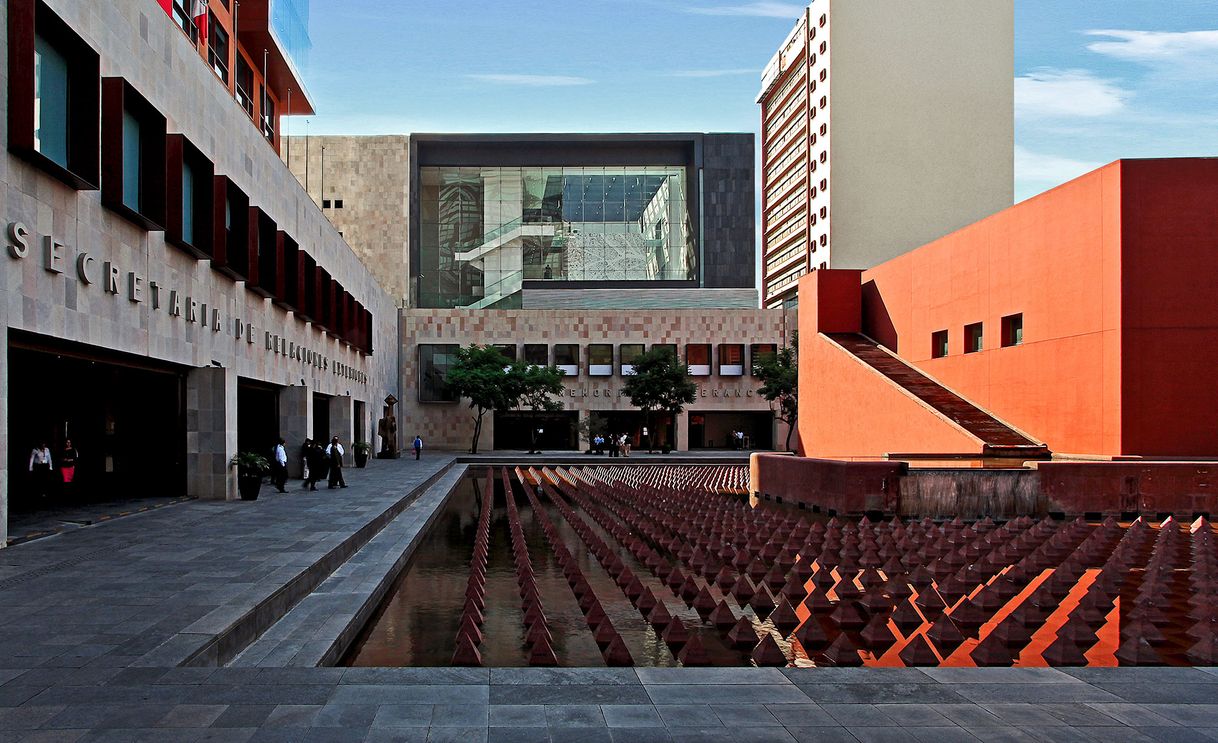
x,y
1114,275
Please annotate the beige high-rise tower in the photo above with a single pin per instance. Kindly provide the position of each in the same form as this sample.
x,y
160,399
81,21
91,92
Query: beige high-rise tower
x,y
885,124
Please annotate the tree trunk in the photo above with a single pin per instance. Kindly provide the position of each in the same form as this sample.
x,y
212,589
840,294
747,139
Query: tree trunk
x,y
790,429
533,436
473,449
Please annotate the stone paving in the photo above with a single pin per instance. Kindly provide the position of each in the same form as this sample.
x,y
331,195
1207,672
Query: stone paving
x,y
97,623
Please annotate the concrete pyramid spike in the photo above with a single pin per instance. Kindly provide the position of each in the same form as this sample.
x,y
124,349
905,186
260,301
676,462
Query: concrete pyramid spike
x,y
646,601
1012,633
541,654
1137,651
594,615
812,636
877,635
742,634
466,653
725,578
918,653
1204,652
907,617
616,653
472,611
846,590
945,634
843,652
675,579
688,590
704,603
992,651
768,654
659,616
634,589
875,601
604,633
534,614
783,617
968,617
693,653
775,578
793,589
675,634
470,629
536,633
848,616
722,616
742,591
930,602
762,603
818,603
897,586
1063,652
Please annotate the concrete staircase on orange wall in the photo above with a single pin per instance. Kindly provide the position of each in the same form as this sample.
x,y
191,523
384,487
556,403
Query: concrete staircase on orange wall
x,y
998,438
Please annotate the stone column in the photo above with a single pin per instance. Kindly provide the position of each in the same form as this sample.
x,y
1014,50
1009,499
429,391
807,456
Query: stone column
x,y
581,443
342,424
681,421
295,423
4,463
211,432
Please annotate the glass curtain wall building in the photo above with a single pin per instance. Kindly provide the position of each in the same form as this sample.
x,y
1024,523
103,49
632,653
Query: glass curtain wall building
x,y
485,230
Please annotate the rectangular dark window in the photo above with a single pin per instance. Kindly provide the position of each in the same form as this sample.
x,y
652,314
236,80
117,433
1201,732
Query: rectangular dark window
x,y
628,354
325,203
670,347
973,341
230,231
600,360
759,350
268,117
507,349
731,359
698,359
1012,330
288,251
265,270
189,196
217,47
308,287
52,95
338,203
537,354
566,357
434,363
938,344
133,153
245,85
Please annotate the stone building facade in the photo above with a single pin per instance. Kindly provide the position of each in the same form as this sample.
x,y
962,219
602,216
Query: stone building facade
x,y
91,299
725,401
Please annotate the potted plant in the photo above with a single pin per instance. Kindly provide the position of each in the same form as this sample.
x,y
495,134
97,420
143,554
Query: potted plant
x,y
250,469
361,450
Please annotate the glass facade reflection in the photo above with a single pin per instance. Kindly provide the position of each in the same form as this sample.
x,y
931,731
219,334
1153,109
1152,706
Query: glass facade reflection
x,y
484,231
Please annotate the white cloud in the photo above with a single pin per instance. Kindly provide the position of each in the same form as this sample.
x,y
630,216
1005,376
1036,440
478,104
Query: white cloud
x,y
1067,94
1156,46
715,73
762,9
535,81
1046,171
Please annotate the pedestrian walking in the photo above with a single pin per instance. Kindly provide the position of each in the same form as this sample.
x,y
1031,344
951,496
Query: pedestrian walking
x,y
40,469
334,456
317,465
418,446
613,445
625,445
279,466
304,461
67,464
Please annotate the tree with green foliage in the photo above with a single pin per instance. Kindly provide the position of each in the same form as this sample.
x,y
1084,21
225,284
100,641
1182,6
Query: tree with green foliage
x,y
660,383
482,374
779,376
537,387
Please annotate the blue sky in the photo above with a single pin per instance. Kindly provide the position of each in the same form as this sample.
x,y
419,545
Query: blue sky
x,y
1095,80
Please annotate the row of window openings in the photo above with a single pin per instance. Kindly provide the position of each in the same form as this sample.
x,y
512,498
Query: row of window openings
x,y
331,203
974,337
64,63
600,357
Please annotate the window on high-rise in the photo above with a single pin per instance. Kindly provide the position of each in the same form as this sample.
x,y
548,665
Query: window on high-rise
x,y
938,344
50,101
698,359
434,363
217,47
973,338
1012,330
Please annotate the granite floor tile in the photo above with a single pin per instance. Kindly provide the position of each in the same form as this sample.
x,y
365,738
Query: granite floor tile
x,y
574,716
403,716
397,735
192,715
244,716
718,676
459,716
346,715
580,735
1149,692
941,734
915,715
1172,734
969,715
999,676
564,676
1133,715
687,715
821,735
640,735
1192,715
292,716
518,735
518,715
881,693
407,694
569,694
859,715
741,715
631,716
725,694
1034,693
801,715
879,734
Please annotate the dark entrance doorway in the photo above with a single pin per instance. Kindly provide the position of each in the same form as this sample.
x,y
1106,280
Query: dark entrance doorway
x,y
321,418
257,417
713,430
633,423
124,415
557,430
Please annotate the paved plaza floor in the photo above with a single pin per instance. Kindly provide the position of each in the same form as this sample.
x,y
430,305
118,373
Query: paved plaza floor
x,y
113,632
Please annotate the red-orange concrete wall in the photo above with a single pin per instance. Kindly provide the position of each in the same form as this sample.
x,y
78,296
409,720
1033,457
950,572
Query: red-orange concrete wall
x,y
1170,308
846,408
1114,274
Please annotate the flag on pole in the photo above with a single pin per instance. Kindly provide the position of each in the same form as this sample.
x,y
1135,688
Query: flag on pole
x,y
198,14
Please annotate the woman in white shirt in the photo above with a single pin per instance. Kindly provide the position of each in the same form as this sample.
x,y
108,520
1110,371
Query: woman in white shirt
x,y
40,469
